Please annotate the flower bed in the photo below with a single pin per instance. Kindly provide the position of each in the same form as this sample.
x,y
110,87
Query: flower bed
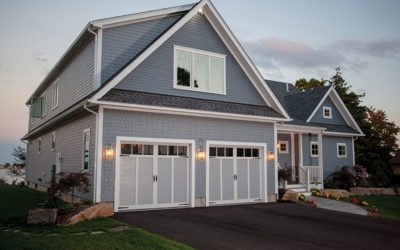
x,y
305,201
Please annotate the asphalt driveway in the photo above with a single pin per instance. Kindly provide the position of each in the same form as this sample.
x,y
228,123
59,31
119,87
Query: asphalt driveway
x,y
268,226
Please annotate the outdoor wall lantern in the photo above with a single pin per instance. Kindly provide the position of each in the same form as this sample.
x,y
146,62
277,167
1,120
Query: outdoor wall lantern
x,y
201,154
271,155
109,152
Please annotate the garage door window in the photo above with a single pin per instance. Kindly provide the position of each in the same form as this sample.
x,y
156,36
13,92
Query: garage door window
x,y
136,149
220,152
248,152
172,150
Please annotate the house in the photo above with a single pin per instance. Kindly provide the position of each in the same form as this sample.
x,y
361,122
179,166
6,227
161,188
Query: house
x,y
165,109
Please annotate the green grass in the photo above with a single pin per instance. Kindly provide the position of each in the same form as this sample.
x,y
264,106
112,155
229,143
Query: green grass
x,y
21,236
389,206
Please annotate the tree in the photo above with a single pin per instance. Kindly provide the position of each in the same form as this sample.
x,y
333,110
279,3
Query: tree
x,y
19,156
69,182
313,83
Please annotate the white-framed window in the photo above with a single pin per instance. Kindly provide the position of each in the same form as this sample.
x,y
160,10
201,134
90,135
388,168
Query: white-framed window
x,y
85,149
327,112
199,70
314,149
283,147
55,95
39,145
53,141
44,103
341,150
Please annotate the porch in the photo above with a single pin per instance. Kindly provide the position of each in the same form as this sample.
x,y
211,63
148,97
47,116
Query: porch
x,y
299,157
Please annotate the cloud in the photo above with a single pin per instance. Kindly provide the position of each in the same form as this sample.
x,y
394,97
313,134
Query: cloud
x,y
40,57
354,55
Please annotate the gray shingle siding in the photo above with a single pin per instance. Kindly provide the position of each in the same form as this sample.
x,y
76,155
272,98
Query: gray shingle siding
x,y
136,124
74,83
69,142
198,34
122,43
337,118
285,160
331,161
307,159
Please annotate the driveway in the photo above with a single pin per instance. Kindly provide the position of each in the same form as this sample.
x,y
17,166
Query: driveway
x,y
267,226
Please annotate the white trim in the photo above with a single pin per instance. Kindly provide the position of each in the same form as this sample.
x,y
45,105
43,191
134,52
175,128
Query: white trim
x,y
54,98
341,134
53,136
186,112
292,155
259,82
325,108
337,149
313,143
286,143
354,155
139,17
299,128
276,158
83,150
263,186
99,154
319,104
98,56
44,94
203,53
300,135
120,139
321,157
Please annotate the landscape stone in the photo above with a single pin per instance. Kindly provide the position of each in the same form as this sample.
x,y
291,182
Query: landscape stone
x,y
99,210
398,191
290,196
96,232
360,191
42,216
382,191
341,193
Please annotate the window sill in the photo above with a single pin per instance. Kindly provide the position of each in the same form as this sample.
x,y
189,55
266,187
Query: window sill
x,y
314,156
197,90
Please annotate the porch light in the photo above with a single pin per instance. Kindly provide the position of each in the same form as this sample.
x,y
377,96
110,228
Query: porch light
x,y
271,155
201,155
201,11
109,152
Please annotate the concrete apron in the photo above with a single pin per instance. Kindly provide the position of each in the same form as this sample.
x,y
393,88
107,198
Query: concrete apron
x,y
338,206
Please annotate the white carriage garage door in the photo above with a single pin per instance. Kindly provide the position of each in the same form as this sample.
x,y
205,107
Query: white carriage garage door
x,y
236,173
153,174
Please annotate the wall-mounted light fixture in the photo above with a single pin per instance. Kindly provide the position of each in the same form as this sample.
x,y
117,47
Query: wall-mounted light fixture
x,y
201,11
271,155
278,145
201,154
109,152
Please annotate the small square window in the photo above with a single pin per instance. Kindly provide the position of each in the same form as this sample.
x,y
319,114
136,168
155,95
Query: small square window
x,y
148,149
173,150
182,150
213,152
137,149
221,152
240,152
247,152
314,149
229,152
327,112
283,147
162,150
256,152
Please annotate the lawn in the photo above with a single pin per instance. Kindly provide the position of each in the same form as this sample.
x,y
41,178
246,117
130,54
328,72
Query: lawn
x,y
15,203
389,206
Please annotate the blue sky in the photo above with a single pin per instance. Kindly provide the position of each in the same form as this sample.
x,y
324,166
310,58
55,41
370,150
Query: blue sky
x,y
287,40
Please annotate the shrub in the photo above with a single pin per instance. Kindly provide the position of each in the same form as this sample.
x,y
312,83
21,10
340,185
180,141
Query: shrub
x,y
360,176
342,179
69,182
282,175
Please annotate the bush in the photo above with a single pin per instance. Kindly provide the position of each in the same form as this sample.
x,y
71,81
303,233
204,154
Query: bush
x,y
69,182
283,174
342,179
360,176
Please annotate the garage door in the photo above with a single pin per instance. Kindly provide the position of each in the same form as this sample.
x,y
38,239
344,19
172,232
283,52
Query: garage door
x,y
235,174
153,175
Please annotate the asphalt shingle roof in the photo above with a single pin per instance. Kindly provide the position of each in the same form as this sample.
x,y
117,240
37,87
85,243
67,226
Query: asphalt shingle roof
x,y
135,97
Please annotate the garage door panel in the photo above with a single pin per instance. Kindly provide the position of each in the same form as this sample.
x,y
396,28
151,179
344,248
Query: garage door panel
x,y
242,179
145,181
215,179
255,173
164,182
181,180
227,180
127,179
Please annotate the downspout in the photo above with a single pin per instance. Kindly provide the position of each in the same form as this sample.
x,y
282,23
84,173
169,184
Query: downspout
x,y
95,150
95,39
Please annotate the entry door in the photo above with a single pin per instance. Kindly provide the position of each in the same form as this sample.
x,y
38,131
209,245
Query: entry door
x,y
153,175
235,174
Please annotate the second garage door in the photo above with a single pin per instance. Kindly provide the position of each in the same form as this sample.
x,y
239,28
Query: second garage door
x,y
235,173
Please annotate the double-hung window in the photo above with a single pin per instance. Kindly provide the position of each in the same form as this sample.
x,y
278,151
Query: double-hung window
x,y
86,147
341,150
314,149
199,70
55,95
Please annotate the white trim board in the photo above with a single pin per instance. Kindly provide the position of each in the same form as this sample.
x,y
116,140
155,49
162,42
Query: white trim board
x,y
216,20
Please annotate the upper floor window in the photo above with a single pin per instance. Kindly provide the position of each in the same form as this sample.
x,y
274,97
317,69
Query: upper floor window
x,y
314,149
53,141
55,94
199,70
39,145
341,150
44,103
283,147
86,147
327,112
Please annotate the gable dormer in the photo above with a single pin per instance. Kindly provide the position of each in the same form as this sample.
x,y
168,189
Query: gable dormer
x,y
328,113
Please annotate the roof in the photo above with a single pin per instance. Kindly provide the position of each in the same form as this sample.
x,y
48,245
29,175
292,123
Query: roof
x,y
143,98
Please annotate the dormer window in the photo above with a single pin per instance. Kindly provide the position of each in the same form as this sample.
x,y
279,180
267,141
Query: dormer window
x,y
199,70
327,112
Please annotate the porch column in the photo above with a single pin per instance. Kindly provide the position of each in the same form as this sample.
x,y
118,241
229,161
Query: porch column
x,y
300,149
321,159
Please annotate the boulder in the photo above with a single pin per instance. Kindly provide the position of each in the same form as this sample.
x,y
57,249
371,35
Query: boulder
x,y
42,216
95,211
382,191
341,193
290,196
360,191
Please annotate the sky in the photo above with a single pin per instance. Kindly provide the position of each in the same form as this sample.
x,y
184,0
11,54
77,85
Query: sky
x,y
286,39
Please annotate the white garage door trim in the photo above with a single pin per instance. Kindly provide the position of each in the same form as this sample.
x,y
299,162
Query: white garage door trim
x,y
263,147
139,140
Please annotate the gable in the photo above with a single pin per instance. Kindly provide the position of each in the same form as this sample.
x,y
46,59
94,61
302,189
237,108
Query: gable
x,y
155,73
336,119
122,43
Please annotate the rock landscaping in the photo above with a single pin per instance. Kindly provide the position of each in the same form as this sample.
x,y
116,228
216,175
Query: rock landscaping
x,y
361,191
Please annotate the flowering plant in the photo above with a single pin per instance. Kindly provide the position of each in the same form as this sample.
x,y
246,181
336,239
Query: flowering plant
x,y
360,175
